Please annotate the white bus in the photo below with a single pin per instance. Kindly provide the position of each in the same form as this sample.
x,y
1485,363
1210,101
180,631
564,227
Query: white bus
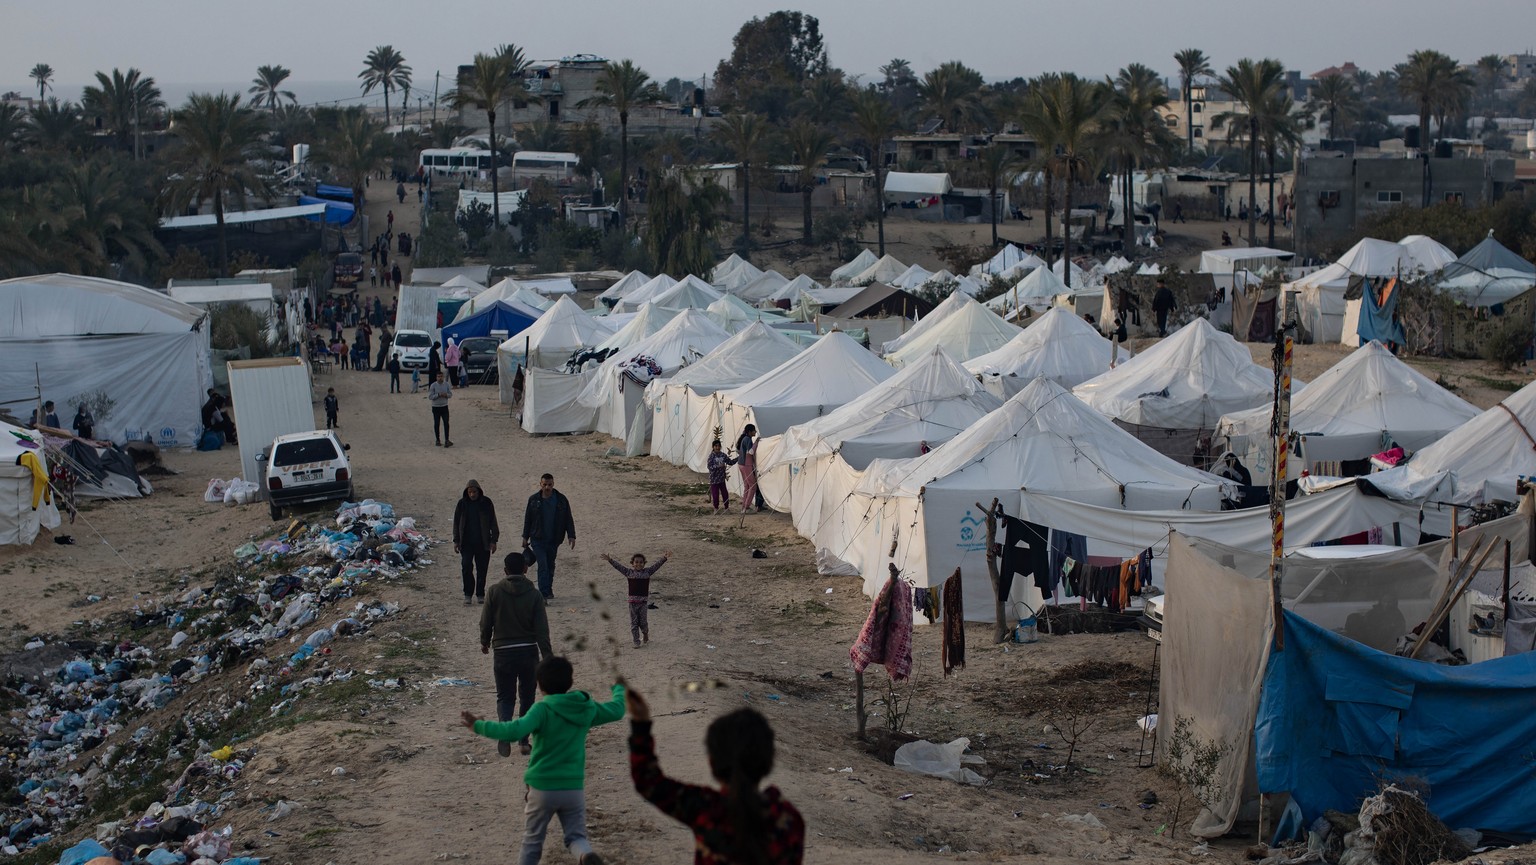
x,y
542,163
455,160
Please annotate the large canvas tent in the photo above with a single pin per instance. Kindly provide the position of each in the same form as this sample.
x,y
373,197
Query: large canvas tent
x,y
638,297
562,330
1058,346
733,273
855,266
1178,390
650,319
970,331
1360,406
690,293
762,287
920,513
1481,460
1009,259
20,521
1490,273
886,269
683,415
505,318
733,313
625,284
835,370
617,394
137,356
924,405
947,307
1036,290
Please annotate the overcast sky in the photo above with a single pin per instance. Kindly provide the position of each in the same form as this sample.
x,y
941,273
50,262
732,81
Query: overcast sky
x,y
183,42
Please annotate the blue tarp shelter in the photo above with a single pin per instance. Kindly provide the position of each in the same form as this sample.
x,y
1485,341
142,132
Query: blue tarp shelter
x,y
1337,719
336,193
336,212
512,318
1378,314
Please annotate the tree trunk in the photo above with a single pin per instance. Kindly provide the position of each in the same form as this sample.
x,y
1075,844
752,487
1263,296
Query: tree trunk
x,y
1066,228
624,168
1129,221
1050,205
1189,116
1271,210
1253,179
218,216
386,107
879,203
495,184
994,212
805,210
746,208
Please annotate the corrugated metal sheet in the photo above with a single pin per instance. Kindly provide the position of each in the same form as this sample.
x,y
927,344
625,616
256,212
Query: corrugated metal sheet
x,y
271,397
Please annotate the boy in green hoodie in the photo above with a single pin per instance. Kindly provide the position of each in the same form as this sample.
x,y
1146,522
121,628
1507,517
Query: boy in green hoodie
x,y
557,769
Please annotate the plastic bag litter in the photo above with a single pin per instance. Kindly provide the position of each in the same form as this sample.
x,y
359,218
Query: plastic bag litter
x,y
940,761
216,490
1085,820
282,809
240,492
1148,723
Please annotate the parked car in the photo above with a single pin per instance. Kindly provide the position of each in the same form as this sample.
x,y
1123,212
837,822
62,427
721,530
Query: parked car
x,y
306,467
415,348
348,270
481,365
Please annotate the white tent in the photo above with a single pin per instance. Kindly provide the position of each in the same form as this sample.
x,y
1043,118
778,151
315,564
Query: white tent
x,y
1488,274
1008,258
970,331
1319,298
909,186
462,281
1079,276
417,305
857,265
885,270
1482,460
761,288
683,411
626,284
550,284
617,394
647,321
733,313
929,402
1188,381
507,289
552,402
690,293
835,370
944,280
1116,264
912,277
1037,290
550,342
1426,253
636,298
19,520
1358,407
1058,346
921,515
137,356
733,273
534,298
947,307
1230,259
792,290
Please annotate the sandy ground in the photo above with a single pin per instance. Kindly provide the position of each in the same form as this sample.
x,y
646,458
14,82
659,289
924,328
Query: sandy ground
x,y
730,630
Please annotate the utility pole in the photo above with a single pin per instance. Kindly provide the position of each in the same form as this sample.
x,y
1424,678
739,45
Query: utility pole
x,y
437,78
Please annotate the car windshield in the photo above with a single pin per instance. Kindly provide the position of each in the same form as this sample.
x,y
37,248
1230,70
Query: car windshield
x,y
413,340
294,453
480,345
350,259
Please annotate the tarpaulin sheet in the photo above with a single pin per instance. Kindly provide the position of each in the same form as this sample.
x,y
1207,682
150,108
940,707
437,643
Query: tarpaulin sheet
x,y
1337,720
336,213
337,193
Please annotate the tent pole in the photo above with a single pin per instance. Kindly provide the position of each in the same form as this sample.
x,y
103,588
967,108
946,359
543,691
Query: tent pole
x,y
1281,430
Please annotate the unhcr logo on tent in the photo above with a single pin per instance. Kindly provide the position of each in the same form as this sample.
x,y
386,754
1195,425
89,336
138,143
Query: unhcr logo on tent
x,y
972,537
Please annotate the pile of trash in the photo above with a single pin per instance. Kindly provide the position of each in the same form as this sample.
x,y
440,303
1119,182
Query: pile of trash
x,y
1393,827
72,707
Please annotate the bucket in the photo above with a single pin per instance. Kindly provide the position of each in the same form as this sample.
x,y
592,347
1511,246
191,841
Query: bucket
x,y
1026,631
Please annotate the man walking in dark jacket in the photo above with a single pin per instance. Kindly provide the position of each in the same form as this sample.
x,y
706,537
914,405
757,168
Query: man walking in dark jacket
x,y
475,534
546,523
515,625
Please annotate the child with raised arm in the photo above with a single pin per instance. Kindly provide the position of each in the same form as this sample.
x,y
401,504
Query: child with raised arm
x,y
557,769
639,577
736,824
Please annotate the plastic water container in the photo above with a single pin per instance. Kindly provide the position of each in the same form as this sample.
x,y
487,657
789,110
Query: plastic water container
x,y
1027,631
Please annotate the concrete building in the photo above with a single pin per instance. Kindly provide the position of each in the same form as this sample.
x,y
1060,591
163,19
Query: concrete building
x,y
948,151
1333,195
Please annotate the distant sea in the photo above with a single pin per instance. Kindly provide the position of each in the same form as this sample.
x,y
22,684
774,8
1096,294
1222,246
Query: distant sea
x,y
309,93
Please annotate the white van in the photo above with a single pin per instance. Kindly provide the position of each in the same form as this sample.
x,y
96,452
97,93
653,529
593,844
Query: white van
x,y
414,348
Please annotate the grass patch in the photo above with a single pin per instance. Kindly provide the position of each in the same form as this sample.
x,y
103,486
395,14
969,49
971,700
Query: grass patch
x,y
691,491
1497,383
740,538
811,612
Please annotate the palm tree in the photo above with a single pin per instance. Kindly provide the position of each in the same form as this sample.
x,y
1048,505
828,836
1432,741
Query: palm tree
x,y
385,67
1192,64
1335,96
221,141
1134,133
488,85
123,101
55,126
1279,127
103,218
874,120
1432,80
42,73
621,86
1490,76
267,87
1253,85
1066,111
745,136
356,148
953,92
13,125
999,164
808,146
825,100
681,223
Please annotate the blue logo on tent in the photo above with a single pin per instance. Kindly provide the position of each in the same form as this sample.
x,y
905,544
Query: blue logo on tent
x,y
968,526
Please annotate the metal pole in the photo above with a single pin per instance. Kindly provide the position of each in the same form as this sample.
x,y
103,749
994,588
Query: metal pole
x,y
437,78
1281,429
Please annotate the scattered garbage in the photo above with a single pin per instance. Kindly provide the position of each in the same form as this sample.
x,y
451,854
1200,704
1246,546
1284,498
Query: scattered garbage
x,y
1087,821
76,725
940,761
282,809
1147,723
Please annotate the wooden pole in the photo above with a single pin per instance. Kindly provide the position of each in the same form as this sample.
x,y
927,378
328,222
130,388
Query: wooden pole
x,y
1000,611
858,698
1440,615
1455,530
1506,581
1282,430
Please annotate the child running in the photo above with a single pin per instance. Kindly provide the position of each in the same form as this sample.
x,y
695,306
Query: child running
x,y
719,496
557,769
736,824
639,577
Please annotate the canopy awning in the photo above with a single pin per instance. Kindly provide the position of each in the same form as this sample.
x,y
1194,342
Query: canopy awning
x,y
238,217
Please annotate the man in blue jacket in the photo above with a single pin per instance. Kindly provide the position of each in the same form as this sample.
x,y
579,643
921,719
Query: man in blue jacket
x,y
546,523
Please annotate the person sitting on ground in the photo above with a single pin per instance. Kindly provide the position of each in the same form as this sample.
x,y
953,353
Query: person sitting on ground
x,y
735,823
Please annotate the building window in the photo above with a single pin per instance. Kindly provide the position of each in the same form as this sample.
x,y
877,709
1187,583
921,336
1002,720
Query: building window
x,y
924,154
1172,121
554,109
1195,107
1386,196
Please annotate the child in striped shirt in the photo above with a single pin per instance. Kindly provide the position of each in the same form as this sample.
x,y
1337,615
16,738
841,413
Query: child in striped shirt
x,y
639,577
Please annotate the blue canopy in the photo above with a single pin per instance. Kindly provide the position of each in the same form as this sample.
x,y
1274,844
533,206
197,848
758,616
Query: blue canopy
x,y
502,315
339,193
1337,719
336,212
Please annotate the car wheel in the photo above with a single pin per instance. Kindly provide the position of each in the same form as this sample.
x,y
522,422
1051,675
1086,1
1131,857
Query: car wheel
x,y
351,492
277,510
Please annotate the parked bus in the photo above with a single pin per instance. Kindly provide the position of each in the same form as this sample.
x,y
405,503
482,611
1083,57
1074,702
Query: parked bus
x,y
528,164
455,160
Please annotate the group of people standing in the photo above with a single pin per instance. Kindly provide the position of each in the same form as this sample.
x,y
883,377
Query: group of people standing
x,y
745,460
734,823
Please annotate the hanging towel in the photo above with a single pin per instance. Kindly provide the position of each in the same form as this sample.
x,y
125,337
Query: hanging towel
x,y
886,637
1066,545
1026,551
34,464
953,652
